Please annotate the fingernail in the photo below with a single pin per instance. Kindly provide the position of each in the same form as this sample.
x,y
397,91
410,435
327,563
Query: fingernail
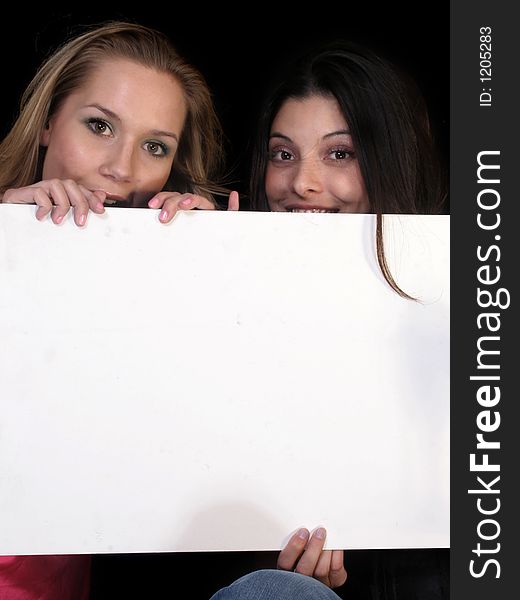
x,y
320,533
186,201
82,219
153,203
100,206
59,219
303,534
163,216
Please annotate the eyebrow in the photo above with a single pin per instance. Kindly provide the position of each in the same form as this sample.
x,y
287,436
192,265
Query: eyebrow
x,y
277,134
114,116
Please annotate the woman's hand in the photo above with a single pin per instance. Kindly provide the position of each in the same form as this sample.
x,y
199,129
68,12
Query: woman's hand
x,y
171,202
56,196
304,554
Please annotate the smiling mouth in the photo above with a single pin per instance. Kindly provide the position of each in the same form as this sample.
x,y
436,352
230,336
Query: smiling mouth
x,y
119,201
312,210
133,200
115,199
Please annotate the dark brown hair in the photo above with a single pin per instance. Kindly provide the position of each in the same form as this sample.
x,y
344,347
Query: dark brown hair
x,y
388,121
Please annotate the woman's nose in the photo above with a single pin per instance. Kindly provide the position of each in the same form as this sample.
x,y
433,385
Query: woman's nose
x,y
308,178
118,163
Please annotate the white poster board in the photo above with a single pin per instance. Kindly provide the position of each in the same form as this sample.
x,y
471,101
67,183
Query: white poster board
x,y
219,382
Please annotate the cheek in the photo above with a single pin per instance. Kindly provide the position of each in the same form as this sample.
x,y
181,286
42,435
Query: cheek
x,y
65,160
275,182
155,174
349,186
55,163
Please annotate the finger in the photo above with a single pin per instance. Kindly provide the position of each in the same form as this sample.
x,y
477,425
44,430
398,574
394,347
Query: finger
x,y
61,200
170,208
13,196
158,200
25,195
322,570
183,202
289,556
44,203
77,200
233,202
310,557
30,195
194,201
95,199
338,573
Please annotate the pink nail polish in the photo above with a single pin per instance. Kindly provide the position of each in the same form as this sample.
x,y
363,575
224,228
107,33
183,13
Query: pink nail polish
x,y
82,220
303,534
59,219
163,215
186,201
320,533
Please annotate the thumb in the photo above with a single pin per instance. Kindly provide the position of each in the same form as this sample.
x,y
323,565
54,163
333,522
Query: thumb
x,y
233,202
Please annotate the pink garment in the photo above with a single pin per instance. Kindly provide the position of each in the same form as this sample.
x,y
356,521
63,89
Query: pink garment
x,y
45,577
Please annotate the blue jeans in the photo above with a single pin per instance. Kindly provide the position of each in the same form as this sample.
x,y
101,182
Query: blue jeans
x,y
271,584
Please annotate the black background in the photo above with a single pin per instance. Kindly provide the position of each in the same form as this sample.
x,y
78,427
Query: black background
x,y
238,48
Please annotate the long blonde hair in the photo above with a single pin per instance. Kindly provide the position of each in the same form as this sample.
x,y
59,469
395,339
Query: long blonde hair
x,y
200,153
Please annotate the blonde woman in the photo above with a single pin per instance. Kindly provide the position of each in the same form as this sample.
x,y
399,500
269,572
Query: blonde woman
x,y
114,116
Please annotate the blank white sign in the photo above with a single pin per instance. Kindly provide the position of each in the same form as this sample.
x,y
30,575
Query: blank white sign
x,y
219,382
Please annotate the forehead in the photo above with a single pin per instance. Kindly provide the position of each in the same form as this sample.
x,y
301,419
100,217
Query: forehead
x,y
316,115
134,91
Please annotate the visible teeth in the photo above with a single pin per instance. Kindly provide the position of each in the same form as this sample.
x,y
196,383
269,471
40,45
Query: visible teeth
x,y
311,210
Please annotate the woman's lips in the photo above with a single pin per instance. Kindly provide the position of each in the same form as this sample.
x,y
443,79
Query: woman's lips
x,y
112,198
309,208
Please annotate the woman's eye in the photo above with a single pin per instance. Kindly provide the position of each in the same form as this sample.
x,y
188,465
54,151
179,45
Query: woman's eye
x,y
340,154
156,148
281,155
99,127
